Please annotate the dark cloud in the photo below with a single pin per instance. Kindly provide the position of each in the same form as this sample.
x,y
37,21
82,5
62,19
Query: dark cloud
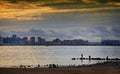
x,y
66,3
106,1
102,31
106,32
48,34
31,32
81,1
71,4
36,31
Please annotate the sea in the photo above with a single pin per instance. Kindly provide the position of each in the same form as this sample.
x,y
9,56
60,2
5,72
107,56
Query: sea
x,y
61,55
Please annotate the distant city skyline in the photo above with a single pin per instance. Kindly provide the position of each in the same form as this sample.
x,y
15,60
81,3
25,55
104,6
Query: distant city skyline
x,y
15,40
36,37
91,20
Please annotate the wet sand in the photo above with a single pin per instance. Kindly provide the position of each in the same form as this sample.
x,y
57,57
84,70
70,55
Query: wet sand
x,y
104,68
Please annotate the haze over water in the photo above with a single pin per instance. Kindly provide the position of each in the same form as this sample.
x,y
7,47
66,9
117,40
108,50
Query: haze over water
x,y
34,55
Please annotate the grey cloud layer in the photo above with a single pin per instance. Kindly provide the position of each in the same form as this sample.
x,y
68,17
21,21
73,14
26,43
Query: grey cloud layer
x,y
91,32
64,19
69,3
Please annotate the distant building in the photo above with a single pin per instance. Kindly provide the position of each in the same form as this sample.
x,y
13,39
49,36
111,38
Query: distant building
x,y
57,42
6,40
15,40
40,41
67,42
49,43
21,42
1,40
94,43
110,42
11,40
25,39
79,42
32,41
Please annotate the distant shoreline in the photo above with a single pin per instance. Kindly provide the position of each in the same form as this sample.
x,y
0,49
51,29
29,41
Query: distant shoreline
x,y
59,45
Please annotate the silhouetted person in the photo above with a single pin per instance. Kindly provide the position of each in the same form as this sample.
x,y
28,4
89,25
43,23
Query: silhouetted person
x,y
107,58
50,66
54,66
38,66
89,58
82,56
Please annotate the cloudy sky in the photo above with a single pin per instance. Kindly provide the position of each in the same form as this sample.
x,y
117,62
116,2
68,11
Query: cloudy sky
x,y
65,19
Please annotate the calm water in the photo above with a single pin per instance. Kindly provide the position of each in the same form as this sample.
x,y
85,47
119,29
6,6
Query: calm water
x,y
33,55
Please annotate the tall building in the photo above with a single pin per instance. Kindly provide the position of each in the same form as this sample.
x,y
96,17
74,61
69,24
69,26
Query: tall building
x,y
40,41
14,36
14,40
25,39
67,42
11,40
57,42
79,42
1,40
32,41
110,42
6,40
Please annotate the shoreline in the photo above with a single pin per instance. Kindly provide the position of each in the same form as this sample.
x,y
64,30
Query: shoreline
x,y
99,68
59,45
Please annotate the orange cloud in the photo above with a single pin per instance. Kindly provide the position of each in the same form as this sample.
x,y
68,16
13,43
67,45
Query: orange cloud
x,y
29,11
29,14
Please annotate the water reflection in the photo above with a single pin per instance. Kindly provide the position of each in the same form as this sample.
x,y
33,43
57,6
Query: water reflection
x,y
34,55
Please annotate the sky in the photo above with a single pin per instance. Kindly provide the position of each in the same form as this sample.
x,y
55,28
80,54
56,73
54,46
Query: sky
x,y
91,20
